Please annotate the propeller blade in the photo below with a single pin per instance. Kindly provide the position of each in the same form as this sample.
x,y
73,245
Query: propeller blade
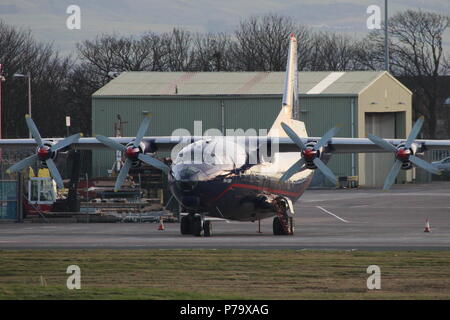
x,y
326,137
414,132
66,142
424,165
55,173
33,129
392,175
122,175
22,164
294,137
142,130
111,143
325,170
296,167
154,162
382,143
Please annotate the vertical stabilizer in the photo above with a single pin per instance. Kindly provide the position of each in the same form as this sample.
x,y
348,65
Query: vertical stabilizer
x,y
290,108
291,75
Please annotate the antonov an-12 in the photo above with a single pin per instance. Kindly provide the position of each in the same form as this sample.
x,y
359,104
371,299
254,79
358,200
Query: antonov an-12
x,y
238,178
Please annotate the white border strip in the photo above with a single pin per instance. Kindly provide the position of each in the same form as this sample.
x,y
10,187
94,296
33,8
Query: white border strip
x,y
325,83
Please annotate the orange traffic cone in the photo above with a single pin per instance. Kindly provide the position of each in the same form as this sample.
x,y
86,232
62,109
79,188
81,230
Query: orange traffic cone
x,y
161,224
427,226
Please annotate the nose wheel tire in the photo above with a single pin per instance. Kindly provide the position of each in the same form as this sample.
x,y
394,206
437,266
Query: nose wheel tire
x,y
277,227
185,225
207,229
196,226
283,228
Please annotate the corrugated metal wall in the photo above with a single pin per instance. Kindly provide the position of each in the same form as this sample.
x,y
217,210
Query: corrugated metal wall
x,y
256,113
239,112
174,113
320,114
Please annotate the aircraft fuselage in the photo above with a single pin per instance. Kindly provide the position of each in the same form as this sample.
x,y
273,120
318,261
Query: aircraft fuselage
x,y
244,196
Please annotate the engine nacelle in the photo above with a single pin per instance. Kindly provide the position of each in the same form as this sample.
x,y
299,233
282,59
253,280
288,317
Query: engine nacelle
x,y
133,152
403,155
44,152
309,154
406,165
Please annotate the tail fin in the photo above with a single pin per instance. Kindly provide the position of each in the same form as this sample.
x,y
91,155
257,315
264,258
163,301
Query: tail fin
x,y
290,94
290,109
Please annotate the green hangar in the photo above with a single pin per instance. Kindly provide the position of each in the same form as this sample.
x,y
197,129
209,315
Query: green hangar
x,y
361,101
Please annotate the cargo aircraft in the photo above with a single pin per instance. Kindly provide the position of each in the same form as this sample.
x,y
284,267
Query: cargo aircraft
x,y
232,178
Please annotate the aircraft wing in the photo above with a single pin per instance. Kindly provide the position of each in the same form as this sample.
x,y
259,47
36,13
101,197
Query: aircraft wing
x,y
162,143
361,145
285,144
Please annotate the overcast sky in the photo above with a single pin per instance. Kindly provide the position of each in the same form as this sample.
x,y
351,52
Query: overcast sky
x,y
47,18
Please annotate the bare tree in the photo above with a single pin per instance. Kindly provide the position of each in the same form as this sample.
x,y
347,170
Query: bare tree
x,y
417,56
261,43
179,50
20,53
157,44
331,52
212,52
17,47
368,53
417,51
417,43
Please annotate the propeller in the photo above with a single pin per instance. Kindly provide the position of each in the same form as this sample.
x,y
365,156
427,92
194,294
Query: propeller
x,y
310,154
45,152
133,153
403,154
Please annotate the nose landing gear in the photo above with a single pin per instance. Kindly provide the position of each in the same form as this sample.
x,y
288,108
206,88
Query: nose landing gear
x,y
282,223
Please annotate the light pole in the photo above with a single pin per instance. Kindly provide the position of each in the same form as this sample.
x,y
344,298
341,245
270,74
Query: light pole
x,y
386,43
28,75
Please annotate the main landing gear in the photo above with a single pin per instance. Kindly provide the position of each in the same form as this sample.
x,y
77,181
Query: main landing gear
x,y
194,224
283,225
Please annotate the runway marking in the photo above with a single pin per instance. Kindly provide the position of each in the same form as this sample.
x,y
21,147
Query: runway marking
x,y
330,213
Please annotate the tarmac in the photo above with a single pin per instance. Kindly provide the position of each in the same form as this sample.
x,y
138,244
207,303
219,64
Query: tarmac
x,y
348,219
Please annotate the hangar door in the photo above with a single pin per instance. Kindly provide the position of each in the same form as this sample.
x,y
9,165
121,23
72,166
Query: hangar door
x,y
384,125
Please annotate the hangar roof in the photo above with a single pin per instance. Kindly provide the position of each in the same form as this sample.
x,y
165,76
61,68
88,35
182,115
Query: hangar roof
x,y
142,83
